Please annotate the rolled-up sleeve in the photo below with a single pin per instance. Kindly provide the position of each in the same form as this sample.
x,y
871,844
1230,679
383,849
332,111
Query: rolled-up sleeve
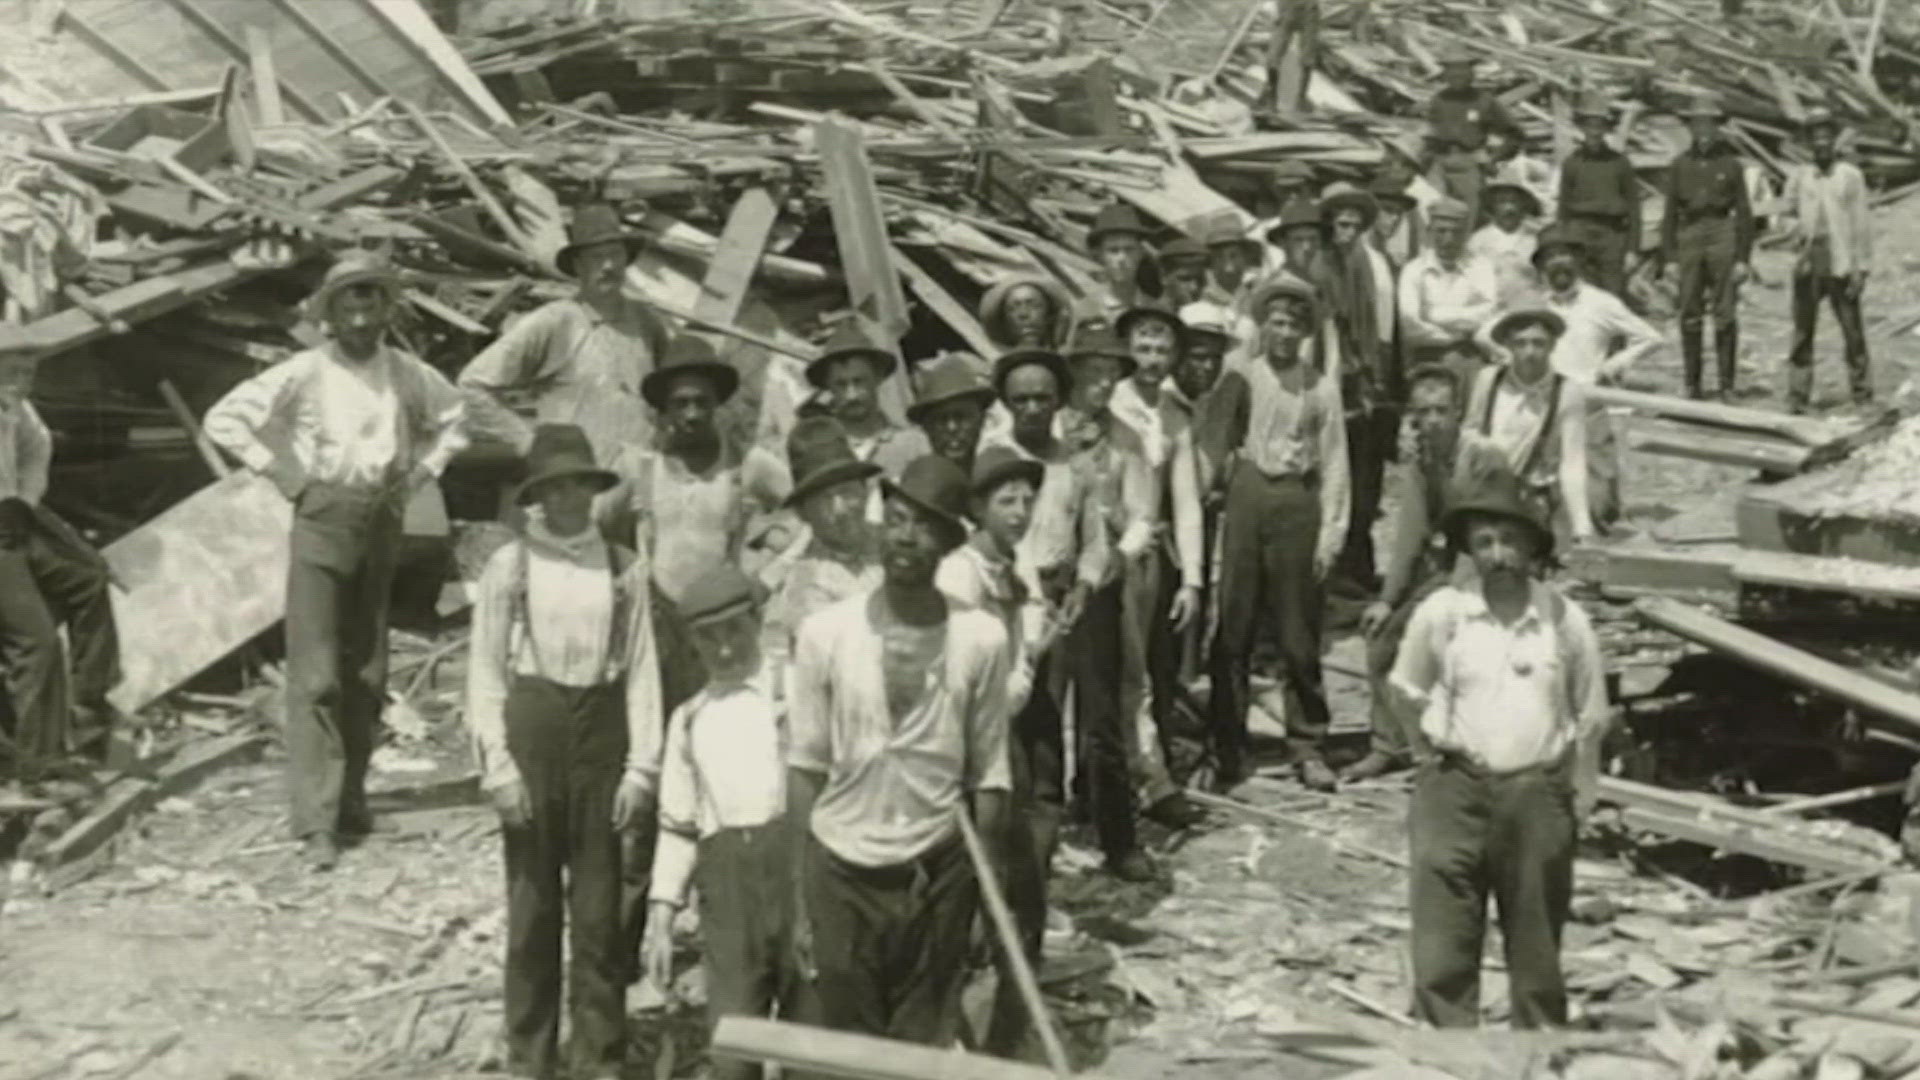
x,y
991,716
1417,665
674,849
487,670
446,410
516,357
645,724
235,422
1588,678
810,698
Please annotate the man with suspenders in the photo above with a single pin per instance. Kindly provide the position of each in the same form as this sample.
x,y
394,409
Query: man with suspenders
x,y
1536,417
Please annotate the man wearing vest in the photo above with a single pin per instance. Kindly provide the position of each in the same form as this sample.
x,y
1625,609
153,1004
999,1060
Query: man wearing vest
x,y
564,713
848,375
1707,234
1502,676
580,360
1537,418
1279,427
1828,218
348,431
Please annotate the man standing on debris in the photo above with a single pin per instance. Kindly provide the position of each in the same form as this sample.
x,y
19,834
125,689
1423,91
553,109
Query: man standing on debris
x,y
1504,676
564,708
360,426
1459,118
898,723
1707,234
847,375
49,578
1446,295
1537,417
580,360
1600,197
1278,425
1828,220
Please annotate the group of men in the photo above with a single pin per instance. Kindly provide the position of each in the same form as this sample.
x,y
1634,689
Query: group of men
x,y
1139,486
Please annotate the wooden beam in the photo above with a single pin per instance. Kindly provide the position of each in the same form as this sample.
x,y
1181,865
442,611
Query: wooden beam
x,y
211,29
1684,825
266,81
1805,430
293,10
421,37
723,290
858,1057
1784,660
955,314
1767,453
100,43
1009,934
1637,570
461,169
866,255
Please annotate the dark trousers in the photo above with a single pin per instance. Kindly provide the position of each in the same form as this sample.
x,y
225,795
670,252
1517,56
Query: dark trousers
x,y
1808,291
1705,262
1268,533
1101,729
339,586
1370,436
746,926
890,943
1474,835
1603,251
1390,735
59,702
1461,174
570,745
1037,761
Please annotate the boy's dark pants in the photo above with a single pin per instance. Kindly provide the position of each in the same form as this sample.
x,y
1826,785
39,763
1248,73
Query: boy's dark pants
x,y
890,943
1475,834
746,927
570,745
1097,644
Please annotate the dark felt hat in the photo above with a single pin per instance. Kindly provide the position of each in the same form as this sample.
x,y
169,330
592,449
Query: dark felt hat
x,y
1342,195
936,485
851,340
1279,285
1435,371
1556,237
1146,309
1301,213
1116,218
820,456
1592,105
1494,491
596,223
1013,361
1102,341
690,354
950,377
560,450
1183,249
997,465
1390,190
720,593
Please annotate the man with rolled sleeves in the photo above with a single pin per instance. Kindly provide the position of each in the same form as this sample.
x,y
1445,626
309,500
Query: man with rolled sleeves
x,y
1707,236
1600,197
1828,220
1446,295
1504,677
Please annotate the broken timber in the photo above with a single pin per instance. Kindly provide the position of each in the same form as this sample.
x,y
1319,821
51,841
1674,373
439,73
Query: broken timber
x,y
858,1057
1720,825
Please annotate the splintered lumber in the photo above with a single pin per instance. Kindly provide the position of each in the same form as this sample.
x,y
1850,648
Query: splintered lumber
x,y
1804,430
1720,446
1635,570
724,289
1784,660
1009,935
799,1047
200,580
125,797
1703,819
860,229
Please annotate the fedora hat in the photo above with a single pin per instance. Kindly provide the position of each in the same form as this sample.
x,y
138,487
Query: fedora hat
x,y
993,306
1183,249
1592,105
1387,189
1300,213
596,223
1525,315
1019,358
1225,229
690,354
1103,341
1146,309
1556,237
820,456
1492,490
1117,218
1341,195
935,485
1509,181
1204,317
720,593
560,450
950,377
997,465
851,340
354,268
1279,285
1706,107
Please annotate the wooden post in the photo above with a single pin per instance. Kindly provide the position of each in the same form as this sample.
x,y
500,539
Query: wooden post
x,y
724,288
1009,935
266,84
873,284
208,453
467,176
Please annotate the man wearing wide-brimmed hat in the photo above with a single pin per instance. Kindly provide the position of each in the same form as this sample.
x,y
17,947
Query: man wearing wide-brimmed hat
x,y
950,405
349,431
1118,242
898,721
1707,236
1446,294
1502,677
1399,231
1459,118
1538,418
1828,219
581,360
1183,263
1600,196
1235,259
1029,311
1279,424
1357,285
1506,241
847,375
563,705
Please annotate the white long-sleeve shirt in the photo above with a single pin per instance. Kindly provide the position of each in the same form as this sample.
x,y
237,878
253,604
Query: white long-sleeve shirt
x,y
1831,205
1444,305
26,452
725,767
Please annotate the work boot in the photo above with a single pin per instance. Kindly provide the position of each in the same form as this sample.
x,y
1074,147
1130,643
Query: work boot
x,y
1726,354
1134,866
320,852
1176,813
1376,763
1316,776
1691,358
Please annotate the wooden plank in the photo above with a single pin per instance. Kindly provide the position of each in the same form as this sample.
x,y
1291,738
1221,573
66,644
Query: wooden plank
x,y
331,46
200,580
125,797
1784,660
724,288
1009,934
178,405
422,38
866,255
211,29
1804,430
351,188
1766,453
266,84
956,315
1817,573
201,760
858,1057
99,42
1632,570
461,169
1742,839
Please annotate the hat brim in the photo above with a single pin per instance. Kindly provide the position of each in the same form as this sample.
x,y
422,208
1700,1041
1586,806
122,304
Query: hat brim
x,y
885,363
1128,364
1277,234
1532,200
604,480
993,306
1031,471
386,277
1019,358
1504,325
919,410
1268,294
895,491
1368,206
726,380
1458,517
1134,316
635,242
827,476
1541,251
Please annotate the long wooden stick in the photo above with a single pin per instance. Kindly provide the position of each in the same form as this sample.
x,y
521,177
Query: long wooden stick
x,y
199,436
1009,936
471,179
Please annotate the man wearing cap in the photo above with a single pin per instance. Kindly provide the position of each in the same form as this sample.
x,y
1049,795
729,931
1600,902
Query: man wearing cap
x,y
1118,242
1828,220
348,431
1538,418
1027,311
1600,197
1279,426
1183,270
50,578
1288,180
1707,235
1459,118
1504,676
580,360
563,707
898,722
950,405
1213,334
847,375
1506,241
1446,294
